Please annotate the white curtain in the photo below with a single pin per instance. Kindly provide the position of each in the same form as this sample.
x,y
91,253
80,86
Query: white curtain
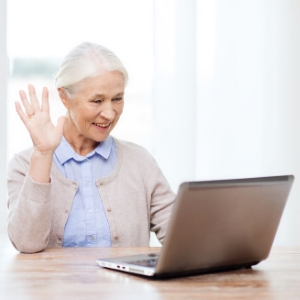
x,y
226,93
174,92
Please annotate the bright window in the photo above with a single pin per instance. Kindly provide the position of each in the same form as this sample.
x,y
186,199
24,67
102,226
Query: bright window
x,y
41,33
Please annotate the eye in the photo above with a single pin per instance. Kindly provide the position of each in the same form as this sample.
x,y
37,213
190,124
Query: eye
x,y
117,99
97,101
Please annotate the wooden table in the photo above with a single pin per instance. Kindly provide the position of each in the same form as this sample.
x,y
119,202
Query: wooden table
x,y
73,274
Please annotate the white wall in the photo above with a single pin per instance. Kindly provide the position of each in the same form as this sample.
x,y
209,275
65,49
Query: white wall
x,y
3,112
241,120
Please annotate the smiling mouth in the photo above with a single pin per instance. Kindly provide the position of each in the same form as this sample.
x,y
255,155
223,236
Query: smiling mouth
x,y
102,125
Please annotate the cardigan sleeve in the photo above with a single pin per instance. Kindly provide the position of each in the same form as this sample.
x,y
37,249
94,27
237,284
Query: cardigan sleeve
x,y
29,208
162,198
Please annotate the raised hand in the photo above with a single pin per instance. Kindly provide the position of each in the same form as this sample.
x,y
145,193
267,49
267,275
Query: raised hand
x,y
44,135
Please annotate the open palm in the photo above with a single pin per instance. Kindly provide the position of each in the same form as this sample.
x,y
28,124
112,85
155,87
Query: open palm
x,y
45,136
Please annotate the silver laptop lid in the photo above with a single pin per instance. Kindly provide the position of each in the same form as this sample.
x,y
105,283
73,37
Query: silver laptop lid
x,y
223,223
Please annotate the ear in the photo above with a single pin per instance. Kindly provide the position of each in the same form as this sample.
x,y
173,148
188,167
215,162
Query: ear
x,y
64,97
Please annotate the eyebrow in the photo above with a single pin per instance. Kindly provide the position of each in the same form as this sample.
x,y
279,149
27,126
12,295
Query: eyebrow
x,y
119,94
102,95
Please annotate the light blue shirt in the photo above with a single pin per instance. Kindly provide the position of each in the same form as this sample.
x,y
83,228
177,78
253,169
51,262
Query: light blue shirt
x,y
87,225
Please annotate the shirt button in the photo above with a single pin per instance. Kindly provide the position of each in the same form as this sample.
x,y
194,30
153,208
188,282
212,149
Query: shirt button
x,y
91,237
66,211
90,211
86,183
108,209
85,160
115,237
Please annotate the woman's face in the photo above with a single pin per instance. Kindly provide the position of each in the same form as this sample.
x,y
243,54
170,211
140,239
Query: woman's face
x,y
96,108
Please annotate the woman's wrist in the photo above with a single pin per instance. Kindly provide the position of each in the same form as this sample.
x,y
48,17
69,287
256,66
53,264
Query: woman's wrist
x,y
40,166
42,154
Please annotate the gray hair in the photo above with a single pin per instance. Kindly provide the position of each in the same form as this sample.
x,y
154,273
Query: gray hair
x,y
87,60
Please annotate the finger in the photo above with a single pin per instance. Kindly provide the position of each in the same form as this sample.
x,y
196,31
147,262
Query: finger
x,y
25,102
33,98
45,100
21,113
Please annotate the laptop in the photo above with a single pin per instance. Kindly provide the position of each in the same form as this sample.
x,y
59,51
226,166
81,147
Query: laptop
x,y
215,226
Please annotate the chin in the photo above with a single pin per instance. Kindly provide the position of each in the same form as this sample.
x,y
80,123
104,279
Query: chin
x,y
101,139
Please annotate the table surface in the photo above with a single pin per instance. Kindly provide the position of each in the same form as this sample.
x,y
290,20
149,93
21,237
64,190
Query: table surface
x,y
72,273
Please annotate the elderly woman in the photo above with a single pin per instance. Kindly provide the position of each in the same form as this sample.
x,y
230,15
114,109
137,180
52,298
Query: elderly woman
x,y
78,186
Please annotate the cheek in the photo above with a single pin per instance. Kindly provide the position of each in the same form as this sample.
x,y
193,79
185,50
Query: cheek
x,y
119,110
81,116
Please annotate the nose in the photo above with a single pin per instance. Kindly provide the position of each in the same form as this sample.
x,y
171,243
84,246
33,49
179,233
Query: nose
x,y
107,111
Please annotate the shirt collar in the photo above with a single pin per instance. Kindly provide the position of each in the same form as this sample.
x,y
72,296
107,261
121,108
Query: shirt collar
x,y
65,152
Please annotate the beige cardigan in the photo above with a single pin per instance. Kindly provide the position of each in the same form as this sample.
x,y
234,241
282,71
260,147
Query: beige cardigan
x,y
136,198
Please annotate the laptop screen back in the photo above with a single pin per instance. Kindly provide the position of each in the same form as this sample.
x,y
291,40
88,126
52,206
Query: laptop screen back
x,y
223,223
